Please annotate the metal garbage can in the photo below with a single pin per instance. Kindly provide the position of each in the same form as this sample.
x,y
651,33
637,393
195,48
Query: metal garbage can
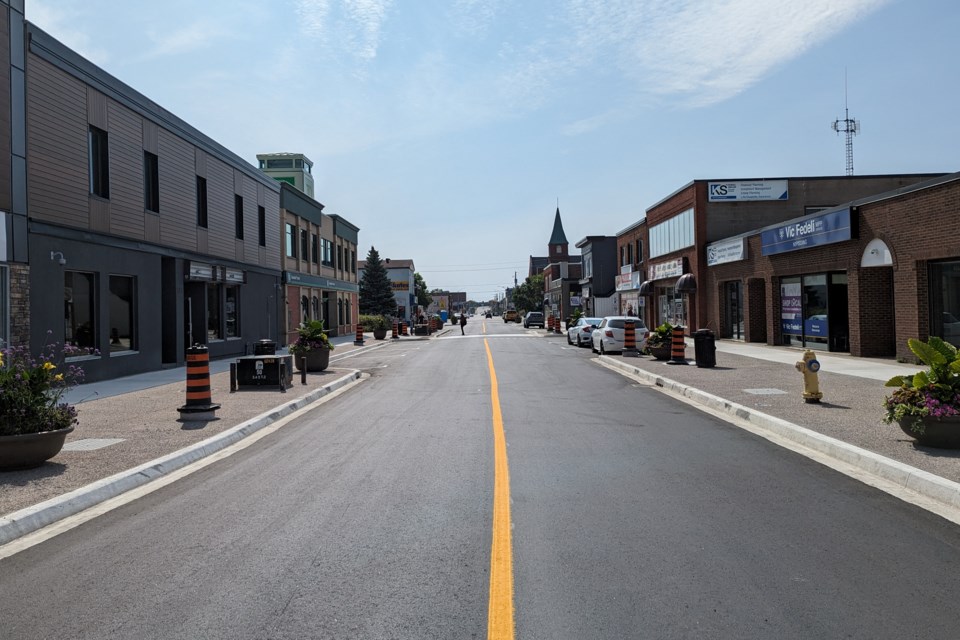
x,y
265,347
705,348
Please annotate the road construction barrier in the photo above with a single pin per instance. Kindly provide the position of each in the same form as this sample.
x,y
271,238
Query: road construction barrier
x,y
394,334
677,348
359,339
403,328
550,324
199,404
630,339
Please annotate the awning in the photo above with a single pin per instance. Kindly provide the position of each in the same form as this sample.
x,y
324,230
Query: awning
x,y
686,284
646,288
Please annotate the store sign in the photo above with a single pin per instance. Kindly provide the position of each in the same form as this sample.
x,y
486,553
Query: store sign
x,y
670,269
791,309
813,231
747,190
726,251
400,285
628,281
574,301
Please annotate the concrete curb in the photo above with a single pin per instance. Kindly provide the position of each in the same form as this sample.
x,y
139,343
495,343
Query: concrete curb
x,y
940,490
30,519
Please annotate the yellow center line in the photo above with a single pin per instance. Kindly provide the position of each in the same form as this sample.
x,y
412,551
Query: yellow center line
x,y
500,609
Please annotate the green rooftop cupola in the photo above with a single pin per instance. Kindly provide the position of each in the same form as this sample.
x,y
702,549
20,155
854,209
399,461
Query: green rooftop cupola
x,y
558,241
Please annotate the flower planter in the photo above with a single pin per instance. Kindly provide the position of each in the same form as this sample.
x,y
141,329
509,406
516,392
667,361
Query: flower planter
x,y
940,433
379,334
29,450
661,353
316,360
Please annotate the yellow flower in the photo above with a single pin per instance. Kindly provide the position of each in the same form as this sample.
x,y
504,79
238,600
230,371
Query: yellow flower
x,y
58,377
47,366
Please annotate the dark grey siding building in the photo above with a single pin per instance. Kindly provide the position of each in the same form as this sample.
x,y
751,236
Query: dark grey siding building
x,y
144,235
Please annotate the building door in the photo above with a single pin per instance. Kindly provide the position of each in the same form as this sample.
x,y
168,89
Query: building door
x,y
733,317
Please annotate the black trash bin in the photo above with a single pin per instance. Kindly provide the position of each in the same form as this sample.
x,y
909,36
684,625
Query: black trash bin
x,y
265,347
705,348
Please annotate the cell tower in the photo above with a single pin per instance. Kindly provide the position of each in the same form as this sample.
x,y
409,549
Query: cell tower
x,y
848,126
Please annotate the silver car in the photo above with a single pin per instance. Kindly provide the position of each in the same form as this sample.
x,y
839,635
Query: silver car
x,y
581,332
608,336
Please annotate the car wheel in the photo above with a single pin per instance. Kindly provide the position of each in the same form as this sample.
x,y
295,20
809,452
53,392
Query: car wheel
x,y
602,350
569,341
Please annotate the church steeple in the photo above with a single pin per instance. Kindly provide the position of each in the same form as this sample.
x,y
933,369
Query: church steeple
x,y
558,241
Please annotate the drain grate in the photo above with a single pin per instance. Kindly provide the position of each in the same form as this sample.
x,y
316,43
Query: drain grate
x,y
90,444
765,392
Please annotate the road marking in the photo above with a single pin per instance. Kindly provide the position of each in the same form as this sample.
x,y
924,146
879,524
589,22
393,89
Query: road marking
x,y
500,609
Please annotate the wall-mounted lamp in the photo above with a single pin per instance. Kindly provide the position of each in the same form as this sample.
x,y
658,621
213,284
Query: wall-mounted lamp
x,y
58,256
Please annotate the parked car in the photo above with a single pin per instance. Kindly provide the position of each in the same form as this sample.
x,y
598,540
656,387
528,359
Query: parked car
x,y
511,315
581,332
608,336
533,319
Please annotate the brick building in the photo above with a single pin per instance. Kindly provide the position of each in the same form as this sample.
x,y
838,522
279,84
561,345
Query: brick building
x,y
862,277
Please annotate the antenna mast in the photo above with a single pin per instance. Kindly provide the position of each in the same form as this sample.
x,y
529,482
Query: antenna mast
x,y
847,126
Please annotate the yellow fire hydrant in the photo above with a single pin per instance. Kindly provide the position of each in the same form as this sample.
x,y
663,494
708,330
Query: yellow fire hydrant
x,y
809,367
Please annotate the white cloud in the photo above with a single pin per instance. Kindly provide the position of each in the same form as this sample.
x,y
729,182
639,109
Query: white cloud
x,y
188,38
59,20
348,26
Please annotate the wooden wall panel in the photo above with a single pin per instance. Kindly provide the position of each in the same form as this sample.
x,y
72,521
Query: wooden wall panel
x,y
126,172
220,208
58,178
178,192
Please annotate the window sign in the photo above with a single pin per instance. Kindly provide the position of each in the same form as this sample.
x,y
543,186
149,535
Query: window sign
x,y
791,312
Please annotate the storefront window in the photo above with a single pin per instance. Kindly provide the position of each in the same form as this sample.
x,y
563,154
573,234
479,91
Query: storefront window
x,y
231,310
671,307
945,301
79,309
214,332
122,323
814,311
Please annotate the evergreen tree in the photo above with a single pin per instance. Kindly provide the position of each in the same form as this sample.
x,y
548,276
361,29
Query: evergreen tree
x,y
376,294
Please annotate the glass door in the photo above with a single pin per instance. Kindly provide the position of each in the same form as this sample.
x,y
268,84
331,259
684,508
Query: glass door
x,y
733,320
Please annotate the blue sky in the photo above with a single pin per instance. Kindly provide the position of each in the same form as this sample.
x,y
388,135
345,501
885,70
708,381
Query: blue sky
x,y
449,130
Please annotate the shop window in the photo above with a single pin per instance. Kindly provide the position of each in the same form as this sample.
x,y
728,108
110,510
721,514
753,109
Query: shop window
x,y
339,311
4,305
304,309
79,299
945,301
316,308
123,328
214,332
231,310
671,306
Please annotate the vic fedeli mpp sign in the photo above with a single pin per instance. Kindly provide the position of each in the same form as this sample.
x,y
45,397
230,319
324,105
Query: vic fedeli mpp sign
x,y
809,232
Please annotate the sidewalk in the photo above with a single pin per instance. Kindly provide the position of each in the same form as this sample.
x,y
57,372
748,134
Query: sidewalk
x,y
130,430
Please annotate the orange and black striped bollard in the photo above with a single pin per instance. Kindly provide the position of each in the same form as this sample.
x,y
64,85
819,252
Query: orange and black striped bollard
x,y
677,347
359,339
549,324
630,339
395,334
199,405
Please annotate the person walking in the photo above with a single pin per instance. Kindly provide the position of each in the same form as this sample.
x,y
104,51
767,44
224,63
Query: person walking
x,y
463,323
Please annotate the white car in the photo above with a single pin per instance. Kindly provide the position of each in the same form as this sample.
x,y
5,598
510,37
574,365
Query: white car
x,y
608,336
581,332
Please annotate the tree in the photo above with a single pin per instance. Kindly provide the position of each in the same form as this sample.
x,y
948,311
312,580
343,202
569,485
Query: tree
x,y
529,295
420,291
376,293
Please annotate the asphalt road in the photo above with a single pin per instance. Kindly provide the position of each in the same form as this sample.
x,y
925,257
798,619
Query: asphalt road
x,y
633,516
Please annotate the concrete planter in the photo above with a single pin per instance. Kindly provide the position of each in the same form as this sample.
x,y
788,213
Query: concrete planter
x,y
317,360
940,433
29,450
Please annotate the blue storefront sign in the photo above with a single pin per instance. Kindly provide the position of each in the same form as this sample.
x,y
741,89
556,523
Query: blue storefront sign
x,y
813,231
